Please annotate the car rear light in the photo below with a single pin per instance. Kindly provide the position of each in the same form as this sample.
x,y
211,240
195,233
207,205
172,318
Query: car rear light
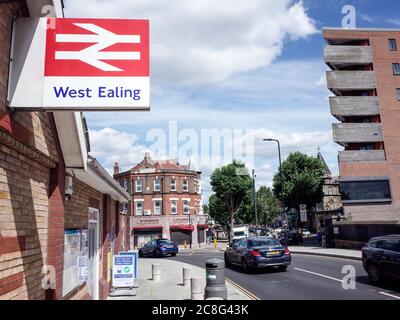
x,y
287,252
255,253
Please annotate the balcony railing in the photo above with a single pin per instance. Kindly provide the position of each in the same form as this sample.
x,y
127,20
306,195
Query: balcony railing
x,y
348,54
351,80
354,106
361,155
356,132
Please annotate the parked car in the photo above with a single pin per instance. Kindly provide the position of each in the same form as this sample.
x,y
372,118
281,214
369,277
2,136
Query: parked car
x,y
159,248
257,252
381,257
306,233
240,232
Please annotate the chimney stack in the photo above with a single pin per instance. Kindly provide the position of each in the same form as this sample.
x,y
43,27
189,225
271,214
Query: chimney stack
x,y
116,168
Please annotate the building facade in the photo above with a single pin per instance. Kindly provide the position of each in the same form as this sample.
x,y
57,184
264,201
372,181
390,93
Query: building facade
x,y
331,205
365,81
165,201
60,218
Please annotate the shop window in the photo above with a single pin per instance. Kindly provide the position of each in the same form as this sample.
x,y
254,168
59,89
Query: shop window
x,y
173,185
139,208
185,186
174,206
392,45
377,190
157,184
186,209
398,94
138,185
157,206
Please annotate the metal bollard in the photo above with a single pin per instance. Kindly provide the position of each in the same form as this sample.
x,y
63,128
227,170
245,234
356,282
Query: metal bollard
x,y
156,272
186,276
196,291
215,276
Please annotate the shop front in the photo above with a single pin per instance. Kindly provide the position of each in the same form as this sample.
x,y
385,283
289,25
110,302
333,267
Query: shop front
x,y
143,234
181,233
201,230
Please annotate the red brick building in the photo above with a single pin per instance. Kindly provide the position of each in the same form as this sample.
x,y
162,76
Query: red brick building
x,y
365,81
165,201
59,209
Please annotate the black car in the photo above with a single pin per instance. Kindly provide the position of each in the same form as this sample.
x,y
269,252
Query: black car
x,y
159,248
381,257
257,252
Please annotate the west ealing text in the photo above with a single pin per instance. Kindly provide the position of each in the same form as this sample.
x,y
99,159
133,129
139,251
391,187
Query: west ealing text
x,y
102,92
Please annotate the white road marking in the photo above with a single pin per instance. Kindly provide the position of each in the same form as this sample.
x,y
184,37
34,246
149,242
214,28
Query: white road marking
x,y
389,295
319,274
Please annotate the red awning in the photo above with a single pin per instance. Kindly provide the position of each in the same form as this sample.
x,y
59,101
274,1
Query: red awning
x,y
146,227
203,226
182,227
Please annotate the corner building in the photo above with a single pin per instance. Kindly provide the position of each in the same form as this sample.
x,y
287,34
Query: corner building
x,y
365,81
165,201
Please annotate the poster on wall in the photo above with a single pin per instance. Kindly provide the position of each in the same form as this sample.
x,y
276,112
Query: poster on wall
x,y
72,244
84,256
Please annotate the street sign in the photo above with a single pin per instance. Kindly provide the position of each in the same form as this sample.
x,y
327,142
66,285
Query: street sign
x,y
80,64
303,213
123,271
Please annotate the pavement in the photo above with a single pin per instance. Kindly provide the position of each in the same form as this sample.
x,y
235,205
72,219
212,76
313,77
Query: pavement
x,y
171,285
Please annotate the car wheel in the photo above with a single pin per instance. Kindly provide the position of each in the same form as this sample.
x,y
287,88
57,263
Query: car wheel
x,y
227,262
245,266
156,253
173,254
282,268
140,253
374,274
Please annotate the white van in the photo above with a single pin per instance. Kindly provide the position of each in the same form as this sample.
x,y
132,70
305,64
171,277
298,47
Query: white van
x,y
240,232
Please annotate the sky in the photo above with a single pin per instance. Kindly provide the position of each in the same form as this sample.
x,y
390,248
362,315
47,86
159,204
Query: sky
x,y
224,75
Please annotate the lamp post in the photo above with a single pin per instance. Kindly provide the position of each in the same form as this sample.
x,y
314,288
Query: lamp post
x,y
255,201
281,175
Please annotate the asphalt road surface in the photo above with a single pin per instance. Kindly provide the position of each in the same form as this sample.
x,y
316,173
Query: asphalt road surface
x,y
307,278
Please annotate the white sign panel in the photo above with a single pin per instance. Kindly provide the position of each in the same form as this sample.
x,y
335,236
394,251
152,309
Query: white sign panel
x,y
303,213
80,64
123,271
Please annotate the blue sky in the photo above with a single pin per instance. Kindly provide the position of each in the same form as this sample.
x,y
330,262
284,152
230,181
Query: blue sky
x,y
256,65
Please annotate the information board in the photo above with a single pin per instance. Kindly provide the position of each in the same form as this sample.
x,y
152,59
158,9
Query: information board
x,y
123,270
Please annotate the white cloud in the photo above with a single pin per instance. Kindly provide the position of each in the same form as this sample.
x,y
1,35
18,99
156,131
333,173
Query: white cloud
x,y
396,22
367,18
197,42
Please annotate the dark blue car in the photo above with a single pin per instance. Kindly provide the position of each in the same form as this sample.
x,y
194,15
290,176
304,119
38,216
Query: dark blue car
x,y
159,248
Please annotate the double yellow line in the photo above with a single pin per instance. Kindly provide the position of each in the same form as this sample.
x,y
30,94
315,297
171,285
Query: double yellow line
x,y
243,290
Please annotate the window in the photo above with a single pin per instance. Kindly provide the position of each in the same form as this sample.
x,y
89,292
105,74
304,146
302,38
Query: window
x,y
138,185
391,245
365,190
398,94
157,184
174,206
157,206
125,184
173,185
392,45
366,146
139,208
186,206
396,69
185,185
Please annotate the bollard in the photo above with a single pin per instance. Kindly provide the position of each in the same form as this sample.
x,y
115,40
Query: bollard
x,y
156,272
186,276
215,243
215,276
196,291
185,244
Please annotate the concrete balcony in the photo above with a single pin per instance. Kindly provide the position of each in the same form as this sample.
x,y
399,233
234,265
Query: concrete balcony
x,y
362,155
350,80
342,106
337,56
356,132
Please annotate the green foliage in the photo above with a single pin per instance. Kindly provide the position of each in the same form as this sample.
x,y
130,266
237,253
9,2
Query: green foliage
x,y
303,179
267,205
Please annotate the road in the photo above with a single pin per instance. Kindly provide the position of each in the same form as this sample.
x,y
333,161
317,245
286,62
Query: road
x,y
308,278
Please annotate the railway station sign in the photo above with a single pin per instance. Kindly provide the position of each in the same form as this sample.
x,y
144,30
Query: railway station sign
x,y
79,64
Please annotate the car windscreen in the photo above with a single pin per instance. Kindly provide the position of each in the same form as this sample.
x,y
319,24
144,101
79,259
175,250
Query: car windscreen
x,y
263,243
238,233
165,242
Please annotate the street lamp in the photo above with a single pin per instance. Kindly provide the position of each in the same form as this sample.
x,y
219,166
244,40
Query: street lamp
x,y
281,174
254,201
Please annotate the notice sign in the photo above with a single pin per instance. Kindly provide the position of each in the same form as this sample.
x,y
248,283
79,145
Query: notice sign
x,y
123,271
303,213
82,64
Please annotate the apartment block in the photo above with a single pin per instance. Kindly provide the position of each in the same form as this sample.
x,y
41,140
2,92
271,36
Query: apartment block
x,y
364,78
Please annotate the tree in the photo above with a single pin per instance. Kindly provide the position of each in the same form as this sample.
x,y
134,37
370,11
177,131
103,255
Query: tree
x,y
217,210
267,205
231,185
303,178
